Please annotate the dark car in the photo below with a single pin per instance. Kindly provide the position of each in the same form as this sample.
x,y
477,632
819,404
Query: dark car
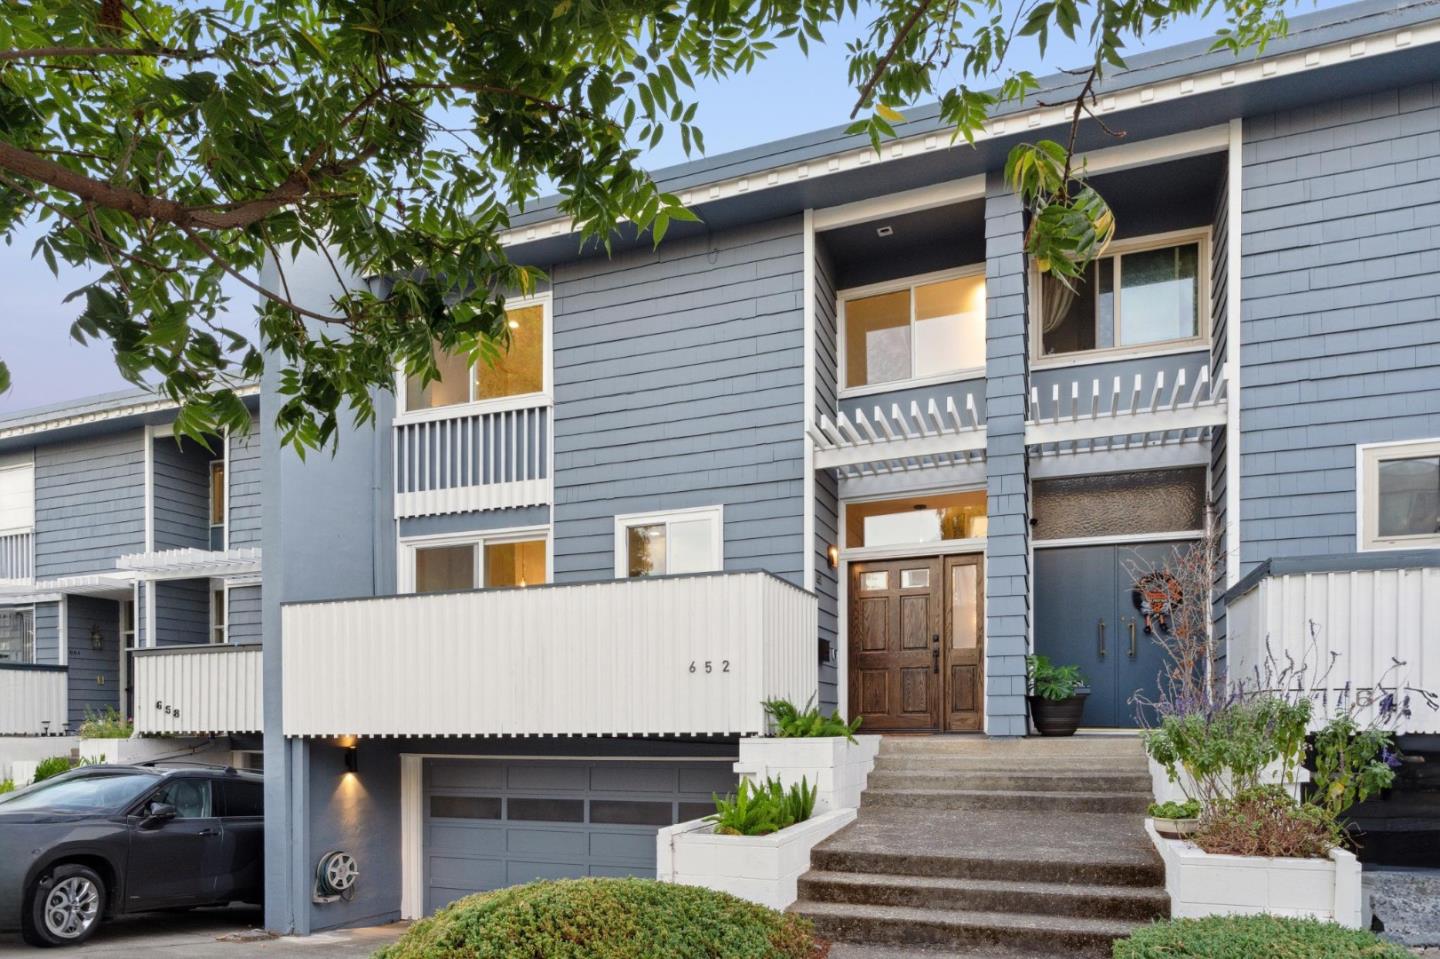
x,y
104,841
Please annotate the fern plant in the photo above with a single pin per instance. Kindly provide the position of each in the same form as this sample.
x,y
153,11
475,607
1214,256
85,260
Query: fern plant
x,y
758,810
808,722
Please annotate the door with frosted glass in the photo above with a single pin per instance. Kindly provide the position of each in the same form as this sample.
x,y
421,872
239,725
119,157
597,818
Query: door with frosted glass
x,y
964,644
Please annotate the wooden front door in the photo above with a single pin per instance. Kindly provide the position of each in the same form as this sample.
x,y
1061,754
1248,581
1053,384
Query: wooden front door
x,y
917,644
895,622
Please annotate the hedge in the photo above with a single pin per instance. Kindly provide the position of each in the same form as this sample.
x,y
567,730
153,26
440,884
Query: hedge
x,y
1250,937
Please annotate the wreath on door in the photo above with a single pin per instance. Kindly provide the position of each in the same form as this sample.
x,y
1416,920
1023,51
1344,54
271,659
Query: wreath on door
x,y
1158,596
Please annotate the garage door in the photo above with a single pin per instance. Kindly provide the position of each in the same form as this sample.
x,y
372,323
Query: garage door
x,y
493,823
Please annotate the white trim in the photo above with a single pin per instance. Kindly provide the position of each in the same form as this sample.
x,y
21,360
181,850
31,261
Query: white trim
x,y
412,835
544,397
716,515
149,594
899,204
63,621
897,285
807,521
405,548
1368,456
1234,321
225,536
1118,540
842,613
947,547
1202,237
1063,361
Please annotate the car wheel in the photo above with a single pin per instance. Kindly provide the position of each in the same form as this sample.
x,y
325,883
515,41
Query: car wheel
x,y
65,907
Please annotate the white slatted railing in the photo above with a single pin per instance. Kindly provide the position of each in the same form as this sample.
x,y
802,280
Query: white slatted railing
x,y
885,443
17,556
1124,413
472,461
33,700
198,690
683,655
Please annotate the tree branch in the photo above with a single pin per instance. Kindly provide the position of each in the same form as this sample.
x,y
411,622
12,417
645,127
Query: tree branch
x,y
884,61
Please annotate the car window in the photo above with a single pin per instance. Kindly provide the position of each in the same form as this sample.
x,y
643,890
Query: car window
x,y
190,797
243,798
80,793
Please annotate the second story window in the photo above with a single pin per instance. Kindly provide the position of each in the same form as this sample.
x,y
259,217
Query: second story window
x,y
922,329
1145,293
217,504
518,370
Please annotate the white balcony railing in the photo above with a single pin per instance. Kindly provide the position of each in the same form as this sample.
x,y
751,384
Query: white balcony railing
x,y
472,460
33,699
17,556
198,690
692,655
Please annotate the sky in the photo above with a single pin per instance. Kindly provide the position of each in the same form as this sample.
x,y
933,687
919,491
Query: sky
x,y
785,95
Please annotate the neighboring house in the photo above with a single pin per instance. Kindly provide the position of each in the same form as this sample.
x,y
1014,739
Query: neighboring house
x,y
129,577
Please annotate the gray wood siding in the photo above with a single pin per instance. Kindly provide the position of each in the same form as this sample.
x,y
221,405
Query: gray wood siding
x,y
94,674
182,493
1341,340
678,383
1219,351
182,612
245,491
827,498
47,634
89,504
244,623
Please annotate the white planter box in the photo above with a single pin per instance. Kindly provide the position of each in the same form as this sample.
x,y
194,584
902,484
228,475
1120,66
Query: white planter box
x,y
1166,791
1200,884
143,749
762,869
837,768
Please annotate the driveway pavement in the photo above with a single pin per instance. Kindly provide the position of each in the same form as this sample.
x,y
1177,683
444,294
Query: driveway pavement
x,y
211,934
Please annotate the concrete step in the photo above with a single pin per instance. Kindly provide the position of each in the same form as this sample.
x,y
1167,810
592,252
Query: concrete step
x,y
906,925
1019,868
1137,904
948,762
1072,747
1038,801
1023,781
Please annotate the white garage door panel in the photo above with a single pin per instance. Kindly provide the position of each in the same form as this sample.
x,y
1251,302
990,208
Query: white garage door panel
x,y
492,823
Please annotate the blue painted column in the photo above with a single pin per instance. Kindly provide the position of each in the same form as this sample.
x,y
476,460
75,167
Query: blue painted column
x,y
1007,383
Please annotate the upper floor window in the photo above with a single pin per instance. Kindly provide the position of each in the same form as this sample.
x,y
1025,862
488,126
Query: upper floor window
x,y
1400,495
517,370
17,494
492,562
1143,293
218,617
921,519
217,504
920,329
680,541
17,635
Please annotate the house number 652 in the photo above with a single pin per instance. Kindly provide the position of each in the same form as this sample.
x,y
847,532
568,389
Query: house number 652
x,y
709,666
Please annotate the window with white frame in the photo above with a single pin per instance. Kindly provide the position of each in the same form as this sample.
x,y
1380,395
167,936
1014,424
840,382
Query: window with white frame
x,y
218,613
1143,293
474,561
915,329
17,635
127,624
217,504
677,541
1400,495
517,368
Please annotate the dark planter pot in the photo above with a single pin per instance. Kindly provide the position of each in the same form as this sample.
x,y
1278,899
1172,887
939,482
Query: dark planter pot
x,y
1058,717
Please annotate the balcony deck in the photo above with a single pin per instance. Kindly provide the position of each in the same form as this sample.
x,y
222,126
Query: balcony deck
x,y
682,655
198,690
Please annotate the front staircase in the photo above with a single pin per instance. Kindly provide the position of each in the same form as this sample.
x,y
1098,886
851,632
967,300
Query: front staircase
x,y
980,847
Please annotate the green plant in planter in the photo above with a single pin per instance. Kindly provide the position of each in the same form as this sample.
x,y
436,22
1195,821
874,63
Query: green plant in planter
x,y
106,724
54,766
760,810
808,722
7,786
1052,682
1189,809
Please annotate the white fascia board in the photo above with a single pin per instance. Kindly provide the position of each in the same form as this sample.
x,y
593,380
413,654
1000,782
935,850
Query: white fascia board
x,y
1176,92
61,419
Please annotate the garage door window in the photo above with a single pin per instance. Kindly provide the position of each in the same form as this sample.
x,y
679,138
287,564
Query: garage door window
x,y
465,807
548,810
619,812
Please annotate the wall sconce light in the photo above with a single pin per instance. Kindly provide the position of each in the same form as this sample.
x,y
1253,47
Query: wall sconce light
x,y
97,639
833,554
352,759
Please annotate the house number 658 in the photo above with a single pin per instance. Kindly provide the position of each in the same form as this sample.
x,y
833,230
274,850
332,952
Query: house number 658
x,y
709,666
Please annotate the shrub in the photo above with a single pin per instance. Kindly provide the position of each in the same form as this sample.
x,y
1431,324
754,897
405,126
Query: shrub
x,y
53,766
106,724
1049,681
809,722
7,786
1189,809
1266,822
759,810
605,919
1227,746
1252,937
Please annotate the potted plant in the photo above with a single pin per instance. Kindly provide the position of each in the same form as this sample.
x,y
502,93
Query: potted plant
x,y
1057,696
1175,820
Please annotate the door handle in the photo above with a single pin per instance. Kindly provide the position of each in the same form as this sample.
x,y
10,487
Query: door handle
x,y
1102,639
1132,639
208,832
935,652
